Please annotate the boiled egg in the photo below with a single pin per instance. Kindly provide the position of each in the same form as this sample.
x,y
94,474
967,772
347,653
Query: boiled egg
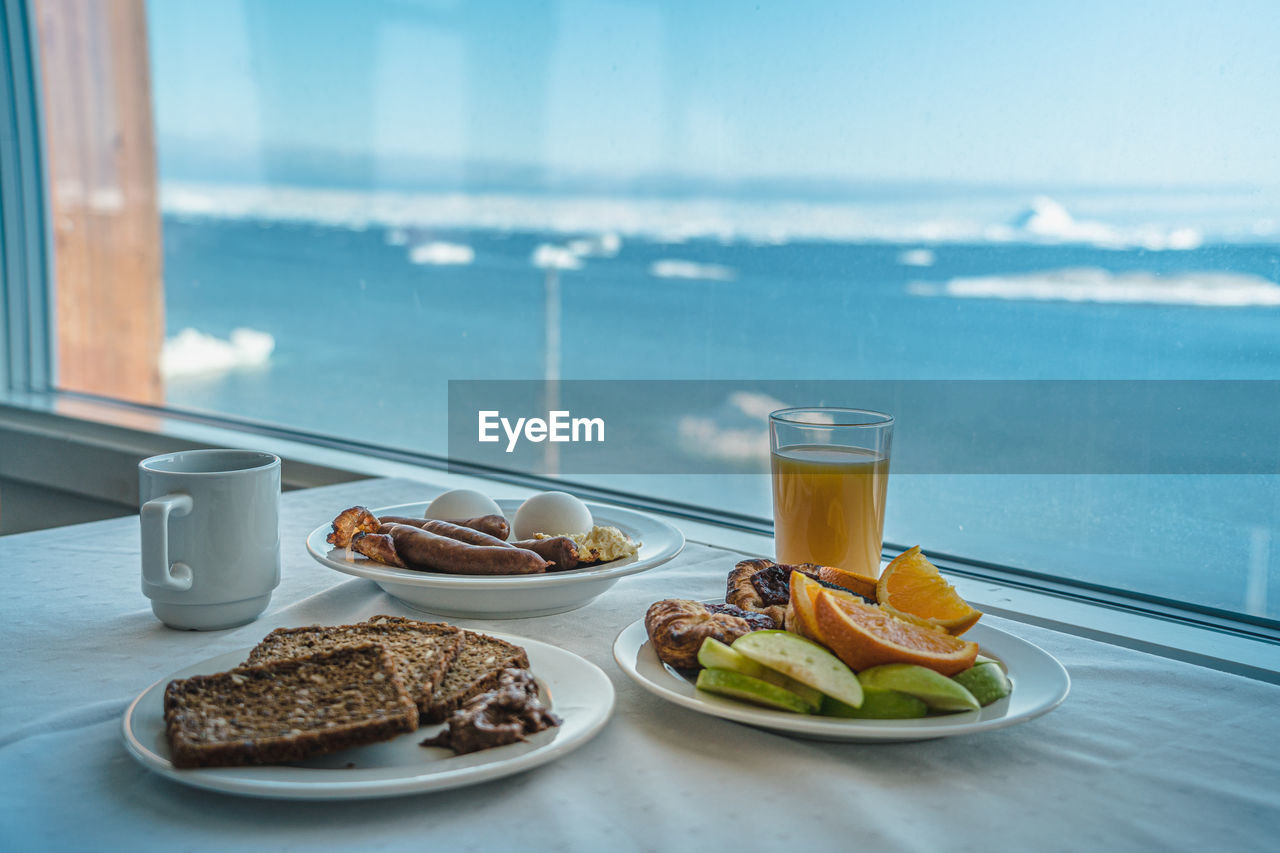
x,y
460,504
552,513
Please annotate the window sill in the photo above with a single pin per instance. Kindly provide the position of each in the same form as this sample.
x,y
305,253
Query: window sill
x,y
83,449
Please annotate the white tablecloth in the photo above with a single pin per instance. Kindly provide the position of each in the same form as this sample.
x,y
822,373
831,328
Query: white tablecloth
x,y
1145,754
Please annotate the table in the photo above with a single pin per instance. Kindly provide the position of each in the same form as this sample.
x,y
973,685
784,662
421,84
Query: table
x,y
1145,754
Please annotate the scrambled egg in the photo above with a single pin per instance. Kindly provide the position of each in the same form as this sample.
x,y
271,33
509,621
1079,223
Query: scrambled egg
x,y
601,545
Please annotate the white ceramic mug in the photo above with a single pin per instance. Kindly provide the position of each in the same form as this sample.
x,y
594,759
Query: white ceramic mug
x,y
210,536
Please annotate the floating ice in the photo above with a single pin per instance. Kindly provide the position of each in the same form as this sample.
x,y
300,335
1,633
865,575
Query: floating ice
x,y
705,438
691,270
917,258
550,257
600,246
442,254
192,352
755,404
1047,220
732,432
764,221
1210,290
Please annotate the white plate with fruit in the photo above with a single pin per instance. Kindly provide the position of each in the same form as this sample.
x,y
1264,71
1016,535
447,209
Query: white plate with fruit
x,y
1039,684
863,659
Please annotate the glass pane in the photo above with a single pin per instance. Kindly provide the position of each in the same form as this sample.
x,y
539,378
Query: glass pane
x,y
361,202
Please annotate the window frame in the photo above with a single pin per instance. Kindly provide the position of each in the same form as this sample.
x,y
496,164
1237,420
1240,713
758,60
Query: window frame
x,y
26,361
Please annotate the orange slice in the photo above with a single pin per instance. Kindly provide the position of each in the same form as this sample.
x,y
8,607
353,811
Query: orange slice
x,y
804,591
853,581
911,586
864,635
800,618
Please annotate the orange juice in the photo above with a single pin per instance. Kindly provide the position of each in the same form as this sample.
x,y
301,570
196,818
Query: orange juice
x,y
828,506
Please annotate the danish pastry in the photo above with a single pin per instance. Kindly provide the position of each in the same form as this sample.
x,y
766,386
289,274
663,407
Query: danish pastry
x,y
677,627
763,586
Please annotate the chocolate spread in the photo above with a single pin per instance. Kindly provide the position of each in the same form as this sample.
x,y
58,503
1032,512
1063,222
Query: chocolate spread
x,y
507,714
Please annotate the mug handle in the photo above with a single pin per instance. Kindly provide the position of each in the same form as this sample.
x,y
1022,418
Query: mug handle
x,y
156,569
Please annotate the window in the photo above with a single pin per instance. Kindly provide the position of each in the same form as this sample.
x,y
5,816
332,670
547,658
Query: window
x,y
357,202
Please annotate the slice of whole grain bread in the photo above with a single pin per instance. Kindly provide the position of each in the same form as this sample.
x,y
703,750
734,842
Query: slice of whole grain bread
x,y
475,670
422,651
287,710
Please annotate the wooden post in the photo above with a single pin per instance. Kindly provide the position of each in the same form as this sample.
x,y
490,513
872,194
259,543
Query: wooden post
x,y
100,145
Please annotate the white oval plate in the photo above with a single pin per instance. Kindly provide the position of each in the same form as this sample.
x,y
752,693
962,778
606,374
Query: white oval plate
x,y
507,596
576,689
1039,685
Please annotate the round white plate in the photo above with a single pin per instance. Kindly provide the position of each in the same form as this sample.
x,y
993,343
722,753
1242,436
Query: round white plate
x,y
576,689
507,596
1039,685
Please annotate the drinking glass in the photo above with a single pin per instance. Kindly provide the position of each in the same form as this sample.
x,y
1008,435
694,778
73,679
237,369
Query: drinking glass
x,y
830,477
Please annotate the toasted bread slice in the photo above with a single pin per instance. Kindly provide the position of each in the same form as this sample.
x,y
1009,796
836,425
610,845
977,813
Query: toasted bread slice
x,y
477,669
422,651
287,710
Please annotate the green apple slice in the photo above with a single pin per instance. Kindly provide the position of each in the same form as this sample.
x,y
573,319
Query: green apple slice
x,y
934,689
986,681
726,682
877,704
805,661
714,654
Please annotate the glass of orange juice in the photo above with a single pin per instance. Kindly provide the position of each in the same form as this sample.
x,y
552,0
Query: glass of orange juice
x,y
830,476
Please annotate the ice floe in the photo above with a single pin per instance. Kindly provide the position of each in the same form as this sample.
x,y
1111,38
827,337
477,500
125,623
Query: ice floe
x,y
605,245
1212,290
672,268
442,254
192,352
596,225
551,257
732,431
917,258
1048,221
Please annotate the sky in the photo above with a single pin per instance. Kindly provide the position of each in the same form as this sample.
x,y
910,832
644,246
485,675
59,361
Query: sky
x,y
401,92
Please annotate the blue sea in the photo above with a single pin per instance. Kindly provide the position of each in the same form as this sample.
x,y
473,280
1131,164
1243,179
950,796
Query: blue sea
x,y
356,323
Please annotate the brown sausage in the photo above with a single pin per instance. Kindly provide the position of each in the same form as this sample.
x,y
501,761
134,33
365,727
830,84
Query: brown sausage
x,y
495,525
422,549
377,547
349,522
448,528
560,550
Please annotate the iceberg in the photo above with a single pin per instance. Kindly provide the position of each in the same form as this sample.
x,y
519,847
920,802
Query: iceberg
x,y
551,257
193,353
605,245
767,221
442,254
1207,290
732,431
917,258
690,270
1046,220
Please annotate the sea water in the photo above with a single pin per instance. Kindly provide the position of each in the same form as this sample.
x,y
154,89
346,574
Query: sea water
x,y
369,322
